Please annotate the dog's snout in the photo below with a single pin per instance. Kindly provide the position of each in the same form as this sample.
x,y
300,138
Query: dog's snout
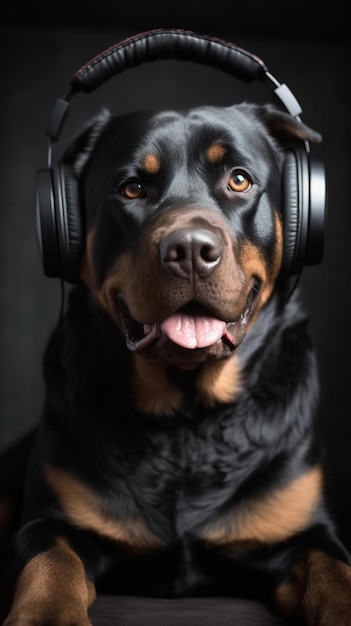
x,y
191,250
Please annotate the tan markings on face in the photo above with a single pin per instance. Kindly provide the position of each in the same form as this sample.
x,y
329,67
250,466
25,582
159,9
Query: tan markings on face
x,y
53,584
153,391
119,279
272,517
141,277
105,294
218,381
137,279
215,153
84,509
278,256
253,264
87,268
151,163
318,591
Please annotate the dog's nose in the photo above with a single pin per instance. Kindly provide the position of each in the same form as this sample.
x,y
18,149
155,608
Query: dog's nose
x,y
191,250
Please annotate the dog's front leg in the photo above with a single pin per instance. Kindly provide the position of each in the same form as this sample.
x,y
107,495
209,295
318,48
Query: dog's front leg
x,y
319,591
327,599
52,589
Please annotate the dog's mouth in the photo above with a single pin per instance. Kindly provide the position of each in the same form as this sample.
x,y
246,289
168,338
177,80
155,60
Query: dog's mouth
x,y
191,327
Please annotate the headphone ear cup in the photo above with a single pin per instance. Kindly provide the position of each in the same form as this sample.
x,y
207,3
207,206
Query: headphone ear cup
x,y
68,221
318,213
46,223
70,225
295,209
59,224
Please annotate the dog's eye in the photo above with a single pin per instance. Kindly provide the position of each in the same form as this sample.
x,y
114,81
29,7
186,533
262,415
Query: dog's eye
x,y
239,181
132,190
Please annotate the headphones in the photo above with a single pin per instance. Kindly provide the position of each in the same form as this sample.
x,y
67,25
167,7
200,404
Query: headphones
x,y
59,215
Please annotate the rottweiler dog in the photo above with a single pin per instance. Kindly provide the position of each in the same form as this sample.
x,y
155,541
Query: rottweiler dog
x,y
177,454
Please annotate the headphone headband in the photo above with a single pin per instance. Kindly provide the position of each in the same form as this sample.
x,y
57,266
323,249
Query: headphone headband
x,y
176,44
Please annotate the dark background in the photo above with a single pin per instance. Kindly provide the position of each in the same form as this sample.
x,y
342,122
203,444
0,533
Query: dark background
x,y
304,44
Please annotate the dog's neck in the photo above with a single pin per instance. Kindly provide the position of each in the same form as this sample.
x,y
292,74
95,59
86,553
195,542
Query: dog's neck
x,y
162,391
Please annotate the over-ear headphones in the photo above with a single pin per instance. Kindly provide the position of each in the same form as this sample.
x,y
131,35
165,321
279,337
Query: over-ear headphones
x,y
59,215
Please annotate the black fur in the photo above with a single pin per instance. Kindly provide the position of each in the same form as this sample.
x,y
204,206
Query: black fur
x,y
179,467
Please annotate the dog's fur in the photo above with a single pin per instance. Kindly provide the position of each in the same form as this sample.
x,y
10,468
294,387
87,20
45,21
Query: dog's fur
x,y
177,453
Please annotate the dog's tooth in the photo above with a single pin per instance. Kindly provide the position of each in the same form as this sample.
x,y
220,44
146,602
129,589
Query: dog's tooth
x,y
229,337
148,328
152,331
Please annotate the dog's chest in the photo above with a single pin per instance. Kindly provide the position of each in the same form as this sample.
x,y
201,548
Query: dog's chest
x,y
179,478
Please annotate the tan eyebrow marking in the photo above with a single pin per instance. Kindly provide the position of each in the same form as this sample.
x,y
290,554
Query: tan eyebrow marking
x,y
151,163
216,152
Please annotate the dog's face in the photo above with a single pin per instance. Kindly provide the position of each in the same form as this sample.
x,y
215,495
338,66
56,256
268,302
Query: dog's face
x,y
184,226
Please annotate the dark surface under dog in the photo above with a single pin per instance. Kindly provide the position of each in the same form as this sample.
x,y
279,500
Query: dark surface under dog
x,y
177,454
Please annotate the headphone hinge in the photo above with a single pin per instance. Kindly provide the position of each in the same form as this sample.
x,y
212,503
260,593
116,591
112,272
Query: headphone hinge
x,y
57,117
287,98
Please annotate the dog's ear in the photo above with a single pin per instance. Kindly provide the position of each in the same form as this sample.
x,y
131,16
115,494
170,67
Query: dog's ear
x,y
81,147
285,128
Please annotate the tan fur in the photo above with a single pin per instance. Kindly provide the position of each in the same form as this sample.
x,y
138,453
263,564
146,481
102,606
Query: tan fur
x,y
327,601
86,270
272,517
84,509
151,163
216,152
318,590
289,595
153,391
53,588
218,381
253,263
278,248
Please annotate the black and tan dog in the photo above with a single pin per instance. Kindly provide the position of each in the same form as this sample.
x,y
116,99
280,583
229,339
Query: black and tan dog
x,y
177,453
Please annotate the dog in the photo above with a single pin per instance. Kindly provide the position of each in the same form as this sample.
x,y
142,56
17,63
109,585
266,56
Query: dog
x,y
177,453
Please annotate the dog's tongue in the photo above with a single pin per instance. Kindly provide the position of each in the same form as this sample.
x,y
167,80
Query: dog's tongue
x,y
193,332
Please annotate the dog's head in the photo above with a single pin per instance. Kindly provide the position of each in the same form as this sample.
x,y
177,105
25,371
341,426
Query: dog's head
x,y
184,226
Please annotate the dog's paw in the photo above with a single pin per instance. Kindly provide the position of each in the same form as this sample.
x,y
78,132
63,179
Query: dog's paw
x,y
52,590
327,600
42,615
333,609
318,592
328,614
